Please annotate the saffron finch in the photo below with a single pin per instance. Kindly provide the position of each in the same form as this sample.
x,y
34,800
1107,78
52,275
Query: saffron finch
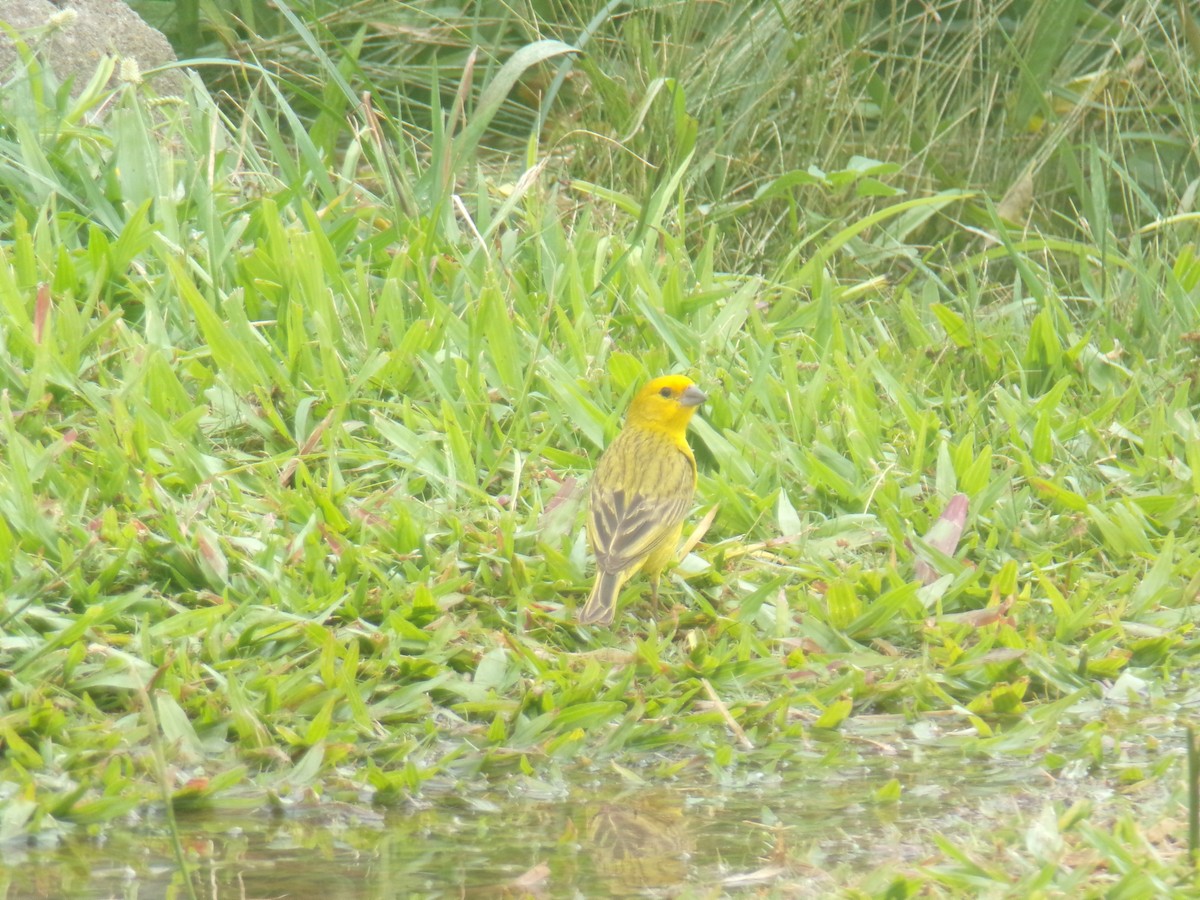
x,y
641,492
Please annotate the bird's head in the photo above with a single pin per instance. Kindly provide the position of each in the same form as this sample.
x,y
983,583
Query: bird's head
x,y
666,402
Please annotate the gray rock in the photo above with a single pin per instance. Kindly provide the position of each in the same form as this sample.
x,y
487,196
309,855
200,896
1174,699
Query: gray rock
x,y
72,47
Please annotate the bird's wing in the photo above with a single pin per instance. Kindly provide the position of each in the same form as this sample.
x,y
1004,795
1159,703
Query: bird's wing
x,y
625,528
637,501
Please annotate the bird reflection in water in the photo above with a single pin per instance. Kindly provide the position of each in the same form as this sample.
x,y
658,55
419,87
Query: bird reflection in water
x,y
640,842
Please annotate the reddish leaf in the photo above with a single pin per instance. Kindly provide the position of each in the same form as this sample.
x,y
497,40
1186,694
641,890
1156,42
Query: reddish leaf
x,y
41,312
944,536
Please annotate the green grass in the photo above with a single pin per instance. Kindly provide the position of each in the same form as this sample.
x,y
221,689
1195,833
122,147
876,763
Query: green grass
x,y
298,403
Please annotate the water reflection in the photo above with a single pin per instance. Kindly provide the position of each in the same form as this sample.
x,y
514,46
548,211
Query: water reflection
x,y
639,841
603,835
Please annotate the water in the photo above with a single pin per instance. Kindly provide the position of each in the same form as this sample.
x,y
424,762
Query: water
x,y
802,830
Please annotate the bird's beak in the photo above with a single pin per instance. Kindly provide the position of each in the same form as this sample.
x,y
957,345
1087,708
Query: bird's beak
x,y
692,396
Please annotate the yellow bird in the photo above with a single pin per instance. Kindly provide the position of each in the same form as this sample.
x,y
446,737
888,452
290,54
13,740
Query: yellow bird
x,y
641,492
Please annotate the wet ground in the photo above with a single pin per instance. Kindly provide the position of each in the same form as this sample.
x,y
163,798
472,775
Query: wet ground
x,y
882,799
800,831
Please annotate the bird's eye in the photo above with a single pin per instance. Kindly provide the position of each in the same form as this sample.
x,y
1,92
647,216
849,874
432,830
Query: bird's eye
x,y
665,392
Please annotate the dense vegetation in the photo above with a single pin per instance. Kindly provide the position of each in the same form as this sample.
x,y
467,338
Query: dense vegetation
x,y
299,395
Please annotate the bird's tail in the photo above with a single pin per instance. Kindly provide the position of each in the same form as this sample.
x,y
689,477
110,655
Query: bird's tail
x,y
602,601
